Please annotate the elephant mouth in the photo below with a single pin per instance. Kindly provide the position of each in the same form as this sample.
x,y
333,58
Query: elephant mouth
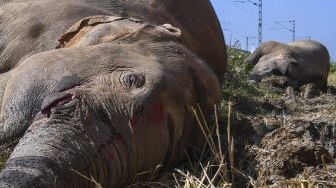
x,y
54,101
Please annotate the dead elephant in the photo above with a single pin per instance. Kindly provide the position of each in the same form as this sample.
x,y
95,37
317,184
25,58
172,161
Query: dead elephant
x,y
301,62
103,88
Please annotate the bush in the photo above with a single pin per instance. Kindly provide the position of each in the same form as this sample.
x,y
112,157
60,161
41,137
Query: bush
x,y
238,89
332,67
236,64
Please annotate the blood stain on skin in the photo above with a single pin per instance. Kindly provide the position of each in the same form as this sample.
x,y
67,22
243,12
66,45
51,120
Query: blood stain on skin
x,y
110,155
134,121
156,114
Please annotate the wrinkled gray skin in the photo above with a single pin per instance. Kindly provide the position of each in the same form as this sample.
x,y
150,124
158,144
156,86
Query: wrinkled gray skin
x,y
302,62
112,97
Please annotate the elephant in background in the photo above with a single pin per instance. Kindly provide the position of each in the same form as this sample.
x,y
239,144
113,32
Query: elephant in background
x,y
301,62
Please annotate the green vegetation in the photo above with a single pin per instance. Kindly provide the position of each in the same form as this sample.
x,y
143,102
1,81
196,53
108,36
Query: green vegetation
x,y
332,74
332,67
238,89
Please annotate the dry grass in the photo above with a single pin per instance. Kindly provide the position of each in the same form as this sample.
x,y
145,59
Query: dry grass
x,y
216,168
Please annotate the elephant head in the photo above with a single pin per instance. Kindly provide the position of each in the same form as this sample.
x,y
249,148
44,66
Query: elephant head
x,y
275,64
112,101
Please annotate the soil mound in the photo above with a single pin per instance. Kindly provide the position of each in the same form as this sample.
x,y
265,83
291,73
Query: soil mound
x,y
292,142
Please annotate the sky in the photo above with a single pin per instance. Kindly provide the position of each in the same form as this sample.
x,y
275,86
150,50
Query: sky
x,y
314,19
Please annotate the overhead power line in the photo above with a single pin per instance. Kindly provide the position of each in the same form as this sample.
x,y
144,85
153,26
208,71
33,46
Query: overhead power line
x,y
265,21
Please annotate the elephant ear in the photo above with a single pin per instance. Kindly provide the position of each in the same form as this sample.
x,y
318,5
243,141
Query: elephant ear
x,y
148,32
102,29
86,32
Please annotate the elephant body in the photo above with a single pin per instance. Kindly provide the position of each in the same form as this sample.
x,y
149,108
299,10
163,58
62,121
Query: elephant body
x,y
302,62
103,88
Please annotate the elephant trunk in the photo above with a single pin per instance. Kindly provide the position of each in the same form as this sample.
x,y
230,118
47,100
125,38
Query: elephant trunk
x,y
31,171
62,151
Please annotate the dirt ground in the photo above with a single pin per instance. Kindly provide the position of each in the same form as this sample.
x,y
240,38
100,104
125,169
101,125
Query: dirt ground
x,y
292,142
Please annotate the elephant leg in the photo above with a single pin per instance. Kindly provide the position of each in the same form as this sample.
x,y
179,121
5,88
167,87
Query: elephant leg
x,y
323,85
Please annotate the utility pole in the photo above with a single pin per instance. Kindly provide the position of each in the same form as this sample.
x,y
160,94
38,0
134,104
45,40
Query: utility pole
x,y
260,22
247,42
293,29
289,29
260,12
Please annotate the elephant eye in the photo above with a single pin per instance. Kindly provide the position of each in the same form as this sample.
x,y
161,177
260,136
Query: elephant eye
x,y
133,81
